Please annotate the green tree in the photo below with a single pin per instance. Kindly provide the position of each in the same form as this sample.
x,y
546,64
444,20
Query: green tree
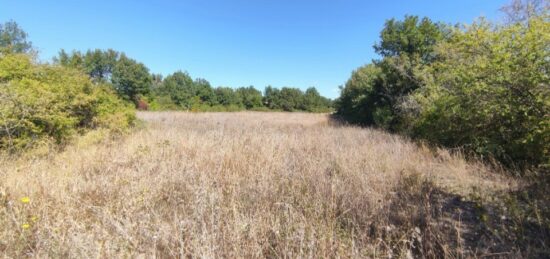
x,y
100,64
378,93
357,101
131,79
204,91
249,97
13,39
272,98
179,86
226,96
291,98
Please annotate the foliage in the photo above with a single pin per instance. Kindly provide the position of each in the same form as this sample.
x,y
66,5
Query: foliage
x,y
131,79
357,99
490,93
292,99
42,103
249,97
13,39
483,88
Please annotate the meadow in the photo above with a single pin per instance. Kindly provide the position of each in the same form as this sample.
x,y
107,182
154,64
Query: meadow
x,y
248,184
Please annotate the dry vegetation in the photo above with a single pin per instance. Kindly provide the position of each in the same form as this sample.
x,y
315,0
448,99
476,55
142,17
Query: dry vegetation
x,y
245,184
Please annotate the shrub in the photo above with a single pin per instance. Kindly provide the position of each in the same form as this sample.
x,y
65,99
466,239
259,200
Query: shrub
x,y
490,93
50,103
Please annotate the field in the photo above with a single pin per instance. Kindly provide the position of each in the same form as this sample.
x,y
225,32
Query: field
x,y
245,184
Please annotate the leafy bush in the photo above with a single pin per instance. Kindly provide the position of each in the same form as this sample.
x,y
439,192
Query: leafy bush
x,y
482,88
50,103
490,93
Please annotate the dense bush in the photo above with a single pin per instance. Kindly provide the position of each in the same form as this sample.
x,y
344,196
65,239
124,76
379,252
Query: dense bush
x,y
483,88
41,103
490,93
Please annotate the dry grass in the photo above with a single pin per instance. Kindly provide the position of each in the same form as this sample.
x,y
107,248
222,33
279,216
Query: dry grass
x,y
244,184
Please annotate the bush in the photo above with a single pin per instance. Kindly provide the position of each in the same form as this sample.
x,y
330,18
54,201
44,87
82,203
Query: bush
x,y
490,93
41,103
482,88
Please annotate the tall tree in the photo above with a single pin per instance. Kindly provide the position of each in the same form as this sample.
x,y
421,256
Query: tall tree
x,y
179,86
250,97
13,39
131,79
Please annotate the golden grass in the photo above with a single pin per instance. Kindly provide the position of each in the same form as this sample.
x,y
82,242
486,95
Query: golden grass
x,y
245,184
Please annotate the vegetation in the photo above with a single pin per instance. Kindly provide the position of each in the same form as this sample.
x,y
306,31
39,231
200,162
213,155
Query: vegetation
x,y
482,87
178,91
41,103
253,184
281,184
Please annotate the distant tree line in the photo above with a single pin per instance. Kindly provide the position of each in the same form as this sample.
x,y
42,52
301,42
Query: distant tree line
x,y
483,88
178,91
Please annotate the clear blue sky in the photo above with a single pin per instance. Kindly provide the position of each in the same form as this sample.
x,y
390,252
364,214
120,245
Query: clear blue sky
x,y
297,43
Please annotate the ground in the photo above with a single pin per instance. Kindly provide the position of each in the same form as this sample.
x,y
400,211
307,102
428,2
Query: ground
x,y
245,184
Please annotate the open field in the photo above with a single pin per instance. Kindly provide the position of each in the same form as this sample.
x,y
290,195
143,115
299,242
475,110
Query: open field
x,y
245,184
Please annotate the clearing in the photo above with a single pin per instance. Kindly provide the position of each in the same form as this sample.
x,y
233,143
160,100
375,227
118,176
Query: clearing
x,y
246,184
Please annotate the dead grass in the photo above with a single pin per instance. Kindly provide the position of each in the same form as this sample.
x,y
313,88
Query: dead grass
x,y
246,184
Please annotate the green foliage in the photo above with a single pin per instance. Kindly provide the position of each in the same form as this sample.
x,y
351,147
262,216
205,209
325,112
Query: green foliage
x,y
249,97
375,93
357,99
292,99
13,39
131,79
411,37
483,88
50,103
490,93
226,96
178,91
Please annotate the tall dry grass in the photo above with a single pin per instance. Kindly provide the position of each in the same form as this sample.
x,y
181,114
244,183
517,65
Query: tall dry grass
x,y
246,184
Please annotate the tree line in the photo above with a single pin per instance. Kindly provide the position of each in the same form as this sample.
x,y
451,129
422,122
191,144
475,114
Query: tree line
x,y
482,87
100,89
178,91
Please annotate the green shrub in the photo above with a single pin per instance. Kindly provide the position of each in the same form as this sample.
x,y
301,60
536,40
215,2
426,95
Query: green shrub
x,y
490,93
50,103
483,88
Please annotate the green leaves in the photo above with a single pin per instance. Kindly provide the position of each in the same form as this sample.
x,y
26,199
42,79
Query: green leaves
x,y
483,87
13,39
42,103
131,79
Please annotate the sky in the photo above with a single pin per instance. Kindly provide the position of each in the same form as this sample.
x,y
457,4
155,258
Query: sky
x,y
296,43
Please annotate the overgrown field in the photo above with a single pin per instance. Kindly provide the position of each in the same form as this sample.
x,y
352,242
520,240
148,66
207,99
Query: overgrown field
x,y
254,184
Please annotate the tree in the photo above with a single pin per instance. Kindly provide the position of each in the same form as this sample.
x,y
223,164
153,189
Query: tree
x,y
521,11
179,86
226,96
312,100
249,97
411,37
100,64
204,91
291,98
407,48
272,98
13,39
131,79
357,101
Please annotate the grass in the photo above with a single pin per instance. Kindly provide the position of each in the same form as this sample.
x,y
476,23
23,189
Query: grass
x,y
248,184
